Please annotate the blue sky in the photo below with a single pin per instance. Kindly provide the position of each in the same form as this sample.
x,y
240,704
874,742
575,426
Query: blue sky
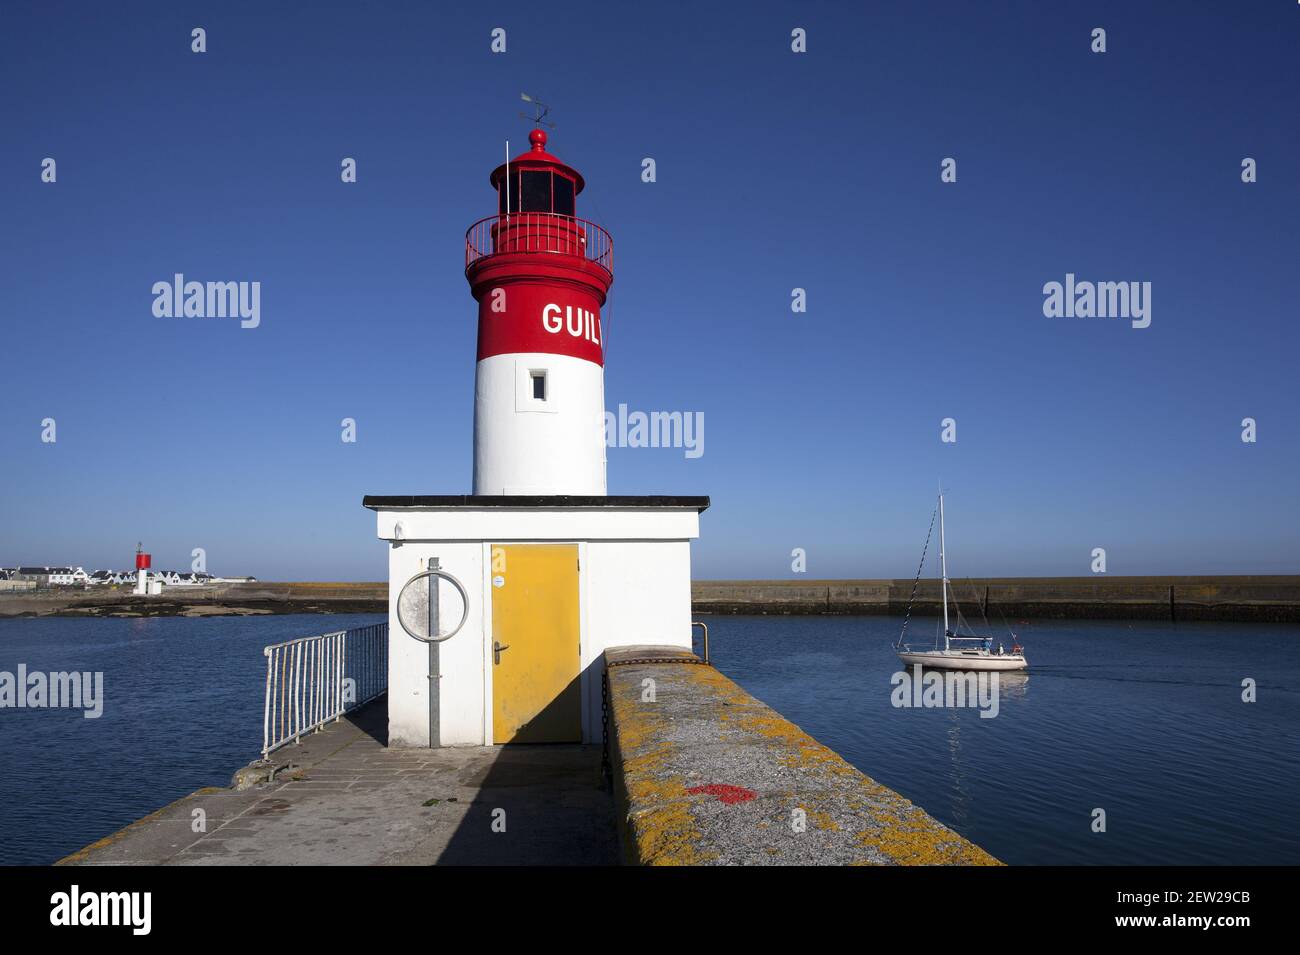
x,y
775,170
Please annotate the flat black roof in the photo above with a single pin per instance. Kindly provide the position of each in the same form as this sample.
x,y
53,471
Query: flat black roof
x,y
386,502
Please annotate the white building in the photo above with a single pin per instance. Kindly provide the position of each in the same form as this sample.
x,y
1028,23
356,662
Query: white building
x,y
551,583
67,576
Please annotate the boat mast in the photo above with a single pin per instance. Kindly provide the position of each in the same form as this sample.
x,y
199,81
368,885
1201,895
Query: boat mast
x,y
943,563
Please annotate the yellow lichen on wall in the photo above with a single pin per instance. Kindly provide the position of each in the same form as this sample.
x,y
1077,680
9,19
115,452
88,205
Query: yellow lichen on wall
x,y
868,822
923,844
659,818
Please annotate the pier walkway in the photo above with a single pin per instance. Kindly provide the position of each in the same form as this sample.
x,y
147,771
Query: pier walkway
x,y
346,799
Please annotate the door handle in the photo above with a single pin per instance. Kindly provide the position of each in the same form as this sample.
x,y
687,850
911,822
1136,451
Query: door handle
x,y
496,651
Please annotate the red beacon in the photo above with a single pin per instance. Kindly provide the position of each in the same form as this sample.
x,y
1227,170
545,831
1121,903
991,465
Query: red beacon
x,y
540,276
143,562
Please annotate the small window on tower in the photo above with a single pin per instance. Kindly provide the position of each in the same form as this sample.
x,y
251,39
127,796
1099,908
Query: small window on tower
x,y
539,385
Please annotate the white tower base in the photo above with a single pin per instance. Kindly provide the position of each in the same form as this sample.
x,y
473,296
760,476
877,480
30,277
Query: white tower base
x,y
525,444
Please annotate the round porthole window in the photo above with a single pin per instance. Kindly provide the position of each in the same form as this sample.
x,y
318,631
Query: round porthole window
x,y
422,605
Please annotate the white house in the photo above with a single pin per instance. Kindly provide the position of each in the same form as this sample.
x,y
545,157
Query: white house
x,y
67,576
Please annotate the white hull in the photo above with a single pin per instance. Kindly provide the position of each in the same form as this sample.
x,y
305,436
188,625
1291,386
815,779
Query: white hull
x,y
964,659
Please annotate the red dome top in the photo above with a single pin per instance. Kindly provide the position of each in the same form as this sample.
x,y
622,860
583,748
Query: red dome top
x,y
538,158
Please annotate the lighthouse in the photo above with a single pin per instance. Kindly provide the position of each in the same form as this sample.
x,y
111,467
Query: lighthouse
x,y
503,601
143,562
540,276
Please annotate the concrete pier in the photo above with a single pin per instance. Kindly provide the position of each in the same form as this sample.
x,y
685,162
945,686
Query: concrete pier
x,y
704,774
343,798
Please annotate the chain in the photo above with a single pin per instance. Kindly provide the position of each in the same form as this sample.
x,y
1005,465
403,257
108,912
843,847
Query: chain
x,y
623,663
605,773
605,769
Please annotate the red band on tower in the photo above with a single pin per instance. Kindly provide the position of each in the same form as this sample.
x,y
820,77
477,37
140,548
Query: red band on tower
x,y
540,318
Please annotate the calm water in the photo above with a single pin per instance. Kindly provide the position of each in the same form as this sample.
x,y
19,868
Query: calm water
x,y
1144,720
183,709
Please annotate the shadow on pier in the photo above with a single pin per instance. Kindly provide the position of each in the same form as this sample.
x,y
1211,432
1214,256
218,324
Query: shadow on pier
x,y
342,797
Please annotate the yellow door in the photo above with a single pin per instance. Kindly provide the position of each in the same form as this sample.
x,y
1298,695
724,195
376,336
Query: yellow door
x,y
535,661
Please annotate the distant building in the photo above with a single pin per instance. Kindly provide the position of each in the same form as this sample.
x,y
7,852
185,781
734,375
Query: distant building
x,y
77,576
66,576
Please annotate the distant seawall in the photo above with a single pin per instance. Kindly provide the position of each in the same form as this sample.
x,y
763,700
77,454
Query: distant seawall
x,y
1247,599
1262,599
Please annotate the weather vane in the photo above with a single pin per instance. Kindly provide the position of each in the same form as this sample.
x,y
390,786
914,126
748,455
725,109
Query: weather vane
x,y
540,111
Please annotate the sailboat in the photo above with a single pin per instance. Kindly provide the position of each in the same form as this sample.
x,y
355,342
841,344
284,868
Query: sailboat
x,y
960,651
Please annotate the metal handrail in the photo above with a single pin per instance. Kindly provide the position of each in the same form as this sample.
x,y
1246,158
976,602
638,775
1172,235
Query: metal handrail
x,y
312,681
547,232
705,629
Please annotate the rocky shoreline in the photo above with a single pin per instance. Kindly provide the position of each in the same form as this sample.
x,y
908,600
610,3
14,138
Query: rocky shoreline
x,y
240,600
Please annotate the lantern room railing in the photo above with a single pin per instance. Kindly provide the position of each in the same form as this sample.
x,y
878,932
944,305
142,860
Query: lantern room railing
x,y
539,232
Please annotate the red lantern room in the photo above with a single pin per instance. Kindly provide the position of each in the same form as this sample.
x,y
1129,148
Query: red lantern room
x,y
538,182
537,212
